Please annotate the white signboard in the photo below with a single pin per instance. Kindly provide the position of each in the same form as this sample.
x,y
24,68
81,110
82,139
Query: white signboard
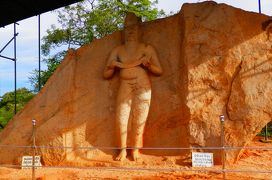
x,y
27,162
202,159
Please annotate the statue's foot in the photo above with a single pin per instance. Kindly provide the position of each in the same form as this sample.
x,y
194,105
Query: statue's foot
x,y
122,155
135,155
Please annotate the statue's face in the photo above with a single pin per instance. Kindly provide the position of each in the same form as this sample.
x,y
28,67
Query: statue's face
x,y
131,33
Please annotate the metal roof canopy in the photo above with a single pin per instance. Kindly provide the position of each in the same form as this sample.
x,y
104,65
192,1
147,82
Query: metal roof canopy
x,y
16,10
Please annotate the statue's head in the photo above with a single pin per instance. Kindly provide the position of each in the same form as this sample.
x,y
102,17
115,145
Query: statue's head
x,y
131,27
131,19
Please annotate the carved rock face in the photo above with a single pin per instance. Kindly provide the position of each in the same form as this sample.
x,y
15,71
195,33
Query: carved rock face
x,y
229,67
216,60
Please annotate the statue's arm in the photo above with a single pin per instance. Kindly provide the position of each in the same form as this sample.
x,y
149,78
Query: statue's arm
x,y
154,65
110,68
112,64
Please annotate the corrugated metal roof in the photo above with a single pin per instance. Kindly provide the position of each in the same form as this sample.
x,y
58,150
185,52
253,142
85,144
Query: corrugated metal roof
x,y
16,10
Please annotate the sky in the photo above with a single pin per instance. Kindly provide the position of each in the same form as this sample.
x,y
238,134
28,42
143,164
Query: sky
x,y
27,40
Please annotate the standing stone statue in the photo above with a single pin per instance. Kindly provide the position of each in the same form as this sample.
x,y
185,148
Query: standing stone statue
x,y
134,60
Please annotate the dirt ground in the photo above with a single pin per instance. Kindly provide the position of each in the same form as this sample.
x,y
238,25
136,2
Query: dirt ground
x,y
157,168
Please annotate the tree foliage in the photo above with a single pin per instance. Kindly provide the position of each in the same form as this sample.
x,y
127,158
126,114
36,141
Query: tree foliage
x,y
269,130
86,21
23,95
52,64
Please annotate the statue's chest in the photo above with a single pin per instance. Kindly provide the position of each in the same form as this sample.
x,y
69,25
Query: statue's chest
x,y
130,57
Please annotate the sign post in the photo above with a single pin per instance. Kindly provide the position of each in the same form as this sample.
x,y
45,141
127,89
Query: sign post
x,y
34,148
222,120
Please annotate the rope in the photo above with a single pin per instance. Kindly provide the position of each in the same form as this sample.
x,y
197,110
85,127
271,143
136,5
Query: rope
x,y
142,148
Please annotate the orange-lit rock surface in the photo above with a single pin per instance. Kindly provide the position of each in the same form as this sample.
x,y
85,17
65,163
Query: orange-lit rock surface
x,y
216,60
254,160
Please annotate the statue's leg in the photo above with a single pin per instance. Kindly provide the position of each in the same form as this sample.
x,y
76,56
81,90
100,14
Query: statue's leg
x,y
141,104
122,116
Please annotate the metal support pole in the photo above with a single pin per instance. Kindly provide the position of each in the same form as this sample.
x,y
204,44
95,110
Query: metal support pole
x,y
33,147
8,43
15,71
260,8
39,44
222,119
265,134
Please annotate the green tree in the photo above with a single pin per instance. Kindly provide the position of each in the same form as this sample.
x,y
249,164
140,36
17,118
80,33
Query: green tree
x,y
269,130
23,95
52,64
86,21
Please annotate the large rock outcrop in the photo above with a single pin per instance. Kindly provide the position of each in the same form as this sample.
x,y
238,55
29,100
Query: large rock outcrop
x,y
216,60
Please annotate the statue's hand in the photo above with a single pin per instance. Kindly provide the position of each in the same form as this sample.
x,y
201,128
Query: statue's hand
x,y
115,64
118,64
146,62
